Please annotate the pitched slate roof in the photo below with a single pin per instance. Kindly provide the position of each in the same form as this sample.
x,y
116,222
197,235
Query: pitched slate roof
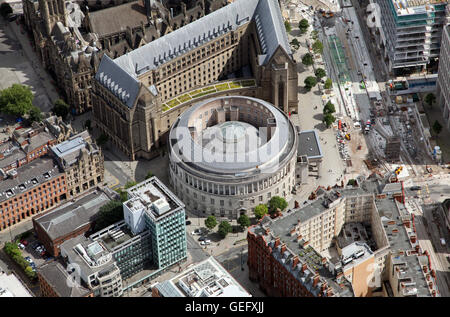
x,y
118,81
270,25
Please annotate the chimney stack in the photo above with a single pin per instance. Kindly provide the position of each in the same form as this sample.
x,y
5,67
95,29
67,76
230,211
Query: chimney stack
x,y
277,242
293,232
296,204
315,280
304,267
299,237
283,248
295,261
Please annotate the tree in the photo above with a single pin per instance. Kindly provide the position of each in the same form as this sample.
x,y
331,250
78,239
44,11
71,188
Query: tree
x,y
149,175
87,124
307,59
16,100
130,184
210,222
315,35
287,25
430,99
260,211
277,202
224,229
123,194
5,9
317,47
437,127
35,114
108,214
295,43
328,119
244,221
310,82
102,139
352,182
329,108
320,73
328,83
61,108
303,25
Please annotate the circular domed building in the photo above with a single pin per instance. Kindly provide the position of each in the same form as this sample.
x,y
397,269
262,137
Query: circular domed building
x,y
230,154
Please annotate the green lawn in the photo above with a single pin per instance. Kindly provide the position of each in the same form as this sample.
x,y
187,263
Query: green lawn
x,y
207,90
248,83
184,98
222,87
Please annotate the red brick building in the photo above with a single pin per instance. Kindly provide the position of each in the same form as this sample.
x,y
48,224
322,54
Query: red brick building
x,y
69,220
284,270
30,190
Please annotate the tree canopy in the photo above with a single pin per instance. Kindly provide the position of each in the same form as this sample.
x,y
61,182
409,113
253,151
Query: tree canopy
x,y
303,25
35,114
108,214
315,35
287,25
320,73
210,222
328,83
430,99
5,9
224,229
295,43
329,108
244,221
16,100
260,211
310,82
328,119
307,59
317,47
149,175
61,108
277,202
437,127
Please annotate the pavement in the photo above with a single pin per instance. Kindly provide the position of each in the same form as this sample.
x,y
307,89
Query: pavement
x,y
19,64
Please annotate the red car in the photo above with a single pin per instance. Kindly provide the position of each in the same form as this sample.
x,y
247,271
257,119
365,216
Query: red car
x,y
24,242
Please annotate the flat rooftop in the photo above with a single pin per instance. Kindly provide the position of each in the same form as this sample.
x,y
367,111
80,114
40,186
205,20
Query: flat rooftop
x,y
309,145
57,276
72,215
10,286
29,176
205,279
405,7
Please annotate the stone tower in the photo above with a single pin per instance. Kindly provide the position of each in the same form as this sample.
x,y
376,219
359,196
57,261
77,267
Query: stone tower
x,y
53,11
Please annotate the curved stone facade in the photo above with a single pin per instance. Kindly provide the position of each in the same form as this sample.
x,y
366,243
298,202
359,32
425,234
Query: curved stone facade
x,y
230,154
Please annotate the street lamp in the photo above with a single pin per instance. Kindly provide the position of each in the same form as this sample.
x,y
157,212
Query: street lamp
x,y
242,263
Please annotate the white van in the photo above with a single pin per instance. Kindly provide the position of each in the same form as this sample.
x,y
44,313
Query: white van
x,y
357,125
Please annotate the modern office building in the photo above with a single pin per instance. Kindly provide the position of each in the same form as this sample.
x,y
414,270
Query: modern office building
x,y
69,220
150,240
82,162
230,154
290,255
138,96
152,207
443,86
410,34
91,262
30,190
205,279
55,281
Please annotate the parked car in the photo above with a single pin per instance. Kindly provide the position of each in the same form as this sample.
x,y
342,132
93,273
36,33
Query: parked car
x,y
188,223
443,241
201,239
206,242
416,188
196,232
28,259
20,245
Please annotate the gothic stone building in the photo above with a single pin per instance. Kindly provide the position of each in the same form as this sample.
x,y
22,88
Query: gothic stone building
x,y
246,37
70,39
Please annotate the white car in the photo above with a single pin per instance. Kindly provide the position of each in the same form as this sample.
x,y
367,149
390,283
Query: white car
x,y
205,242
21,246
